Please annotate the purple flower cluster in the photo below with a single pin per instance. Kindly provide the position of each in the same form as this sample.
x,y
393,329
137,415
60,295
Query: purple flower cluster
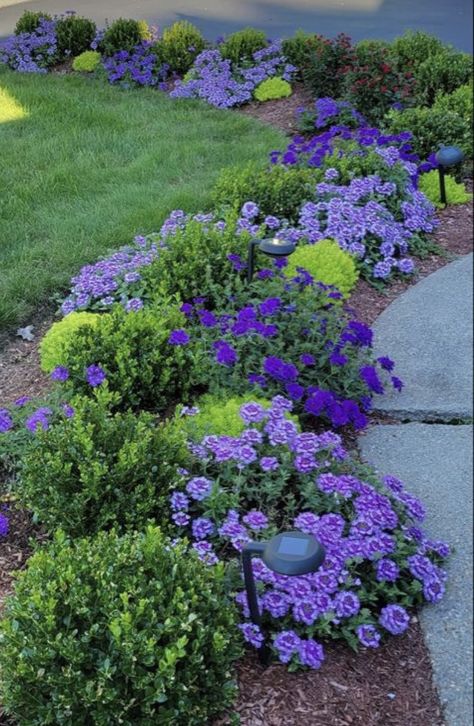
x,y
31,52
4,525
215,80
141,67
328,111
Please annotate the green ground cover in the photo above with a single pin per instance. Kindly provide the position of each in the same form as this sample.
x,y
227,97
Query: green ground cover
x,y
85,167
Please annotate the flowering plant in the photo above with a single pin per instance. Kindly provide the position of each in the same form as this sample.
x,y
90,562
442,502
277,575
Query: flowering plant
x,y
288,340
271,477
32,52
326,112
138,67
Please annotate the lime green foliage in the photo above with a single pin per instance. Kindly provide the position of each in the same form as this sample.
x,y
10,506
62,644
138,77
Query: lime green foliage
x,y
74,35
272,88
278,190
218,416
86,62
29,21
240,46
123,34
144,28
99,469
60,335
180,45
132,348
118,630
456,193
327,263
89,166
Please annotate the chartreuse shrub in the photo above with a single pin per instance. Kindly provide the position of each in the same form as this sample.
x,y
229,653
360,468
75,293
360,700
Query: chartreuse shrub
x,y
272,88
117,630
29,21
123,34
277,190
456,192
74,35
129,352
180,44
326,262
60,335
100,469
241,45
86,62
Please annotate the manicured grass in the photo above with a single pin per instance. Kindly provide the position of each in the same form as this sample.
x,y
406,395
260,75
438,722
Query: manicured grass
x,y
86,166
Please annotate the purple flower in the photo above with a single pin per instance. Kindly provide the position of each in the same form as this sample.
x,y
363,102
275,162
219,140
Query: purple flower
x,y
255,520
202,528
179,337
386,363
252,634
371,379
269,463
38,419
252,412
310,653
22,401
337,359
420,567
368,636
305,611
179,501
307,522
245,454
60,373
6,421
307,359
433,589
286,643
295,391
68,410
225,354
277,603
270,306
4,525
249,210
134,304
278,369
95,375
205,553
395,619
387,571
397,383
199,488
181,519
347,604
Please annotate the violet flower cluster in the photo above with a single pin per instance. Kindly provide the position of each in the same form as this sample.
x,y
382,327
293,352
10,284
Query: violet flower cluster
x,y
223,85
375,555
141,67
31,52
328,111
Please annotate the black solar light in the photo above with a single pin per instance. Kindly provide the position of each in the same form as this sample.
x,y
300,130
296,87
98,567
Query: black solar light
x,y
273,247
447,156
289,553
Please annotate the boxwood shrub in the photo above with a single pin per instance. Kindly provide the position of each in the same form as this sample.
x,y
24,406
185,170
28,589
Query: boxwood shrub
x,y
117,630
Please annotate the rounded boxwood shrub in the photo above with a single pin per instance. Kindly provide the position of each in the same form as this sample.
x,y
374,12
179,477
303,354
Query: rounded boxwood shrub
x,y
86,62
240,46
29,21
326,262
180,45
125,630
123,34
98,469
409,50
74,34
272,88
60,335
442,73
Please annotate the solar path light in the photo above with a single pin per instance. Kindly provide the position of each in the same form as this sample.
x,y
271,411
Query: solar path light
x,y
274,247
289,553
447,156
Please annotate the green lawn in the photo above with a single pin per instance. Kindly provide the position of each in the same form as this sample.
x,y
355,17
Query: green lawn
x,y
85,167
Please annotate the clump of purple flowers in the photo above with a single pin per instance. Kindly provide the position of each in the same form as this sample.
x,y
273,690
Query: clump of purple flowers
x,y
215,80
375,556
141,67
31,52
326,112
4,525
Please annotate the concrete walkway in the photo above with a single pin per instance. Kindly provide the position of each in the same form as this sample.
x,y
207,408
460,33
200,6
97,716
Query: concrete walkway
x,y
428,332
450,21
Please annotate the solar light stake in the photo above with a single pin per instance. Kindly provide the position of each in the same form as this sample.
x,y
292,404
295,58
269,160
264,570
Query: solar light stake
x,y
447,156
289,553
272,247
251,258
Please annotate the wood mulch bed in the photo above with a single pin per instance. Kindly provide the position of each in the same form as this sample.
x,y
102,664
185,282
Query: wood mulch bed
x,y
390,686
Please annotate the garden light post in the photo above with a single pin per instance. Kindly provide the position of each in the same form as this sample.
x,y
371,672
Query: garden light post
x,y
447,156
274,247
289,553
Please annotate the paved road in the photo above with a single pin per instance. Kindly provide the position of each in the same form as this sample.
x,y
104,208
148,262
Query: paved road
x,y
451,20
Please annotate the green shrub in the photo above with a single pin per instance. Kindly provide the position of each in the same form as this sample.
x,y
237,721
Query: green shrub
x,y
296,49
118,630
180,45
98,470
53,346
327,263
132,349
122,35
459,101
29,21
456,192
432,128
409,50
239,47
442,73
74,35
278,190
86,62
272,88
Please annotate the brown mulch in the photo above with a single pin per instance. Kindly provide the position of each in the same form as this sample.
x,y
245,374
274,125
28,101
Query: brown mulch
x,y
282,112
389,686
